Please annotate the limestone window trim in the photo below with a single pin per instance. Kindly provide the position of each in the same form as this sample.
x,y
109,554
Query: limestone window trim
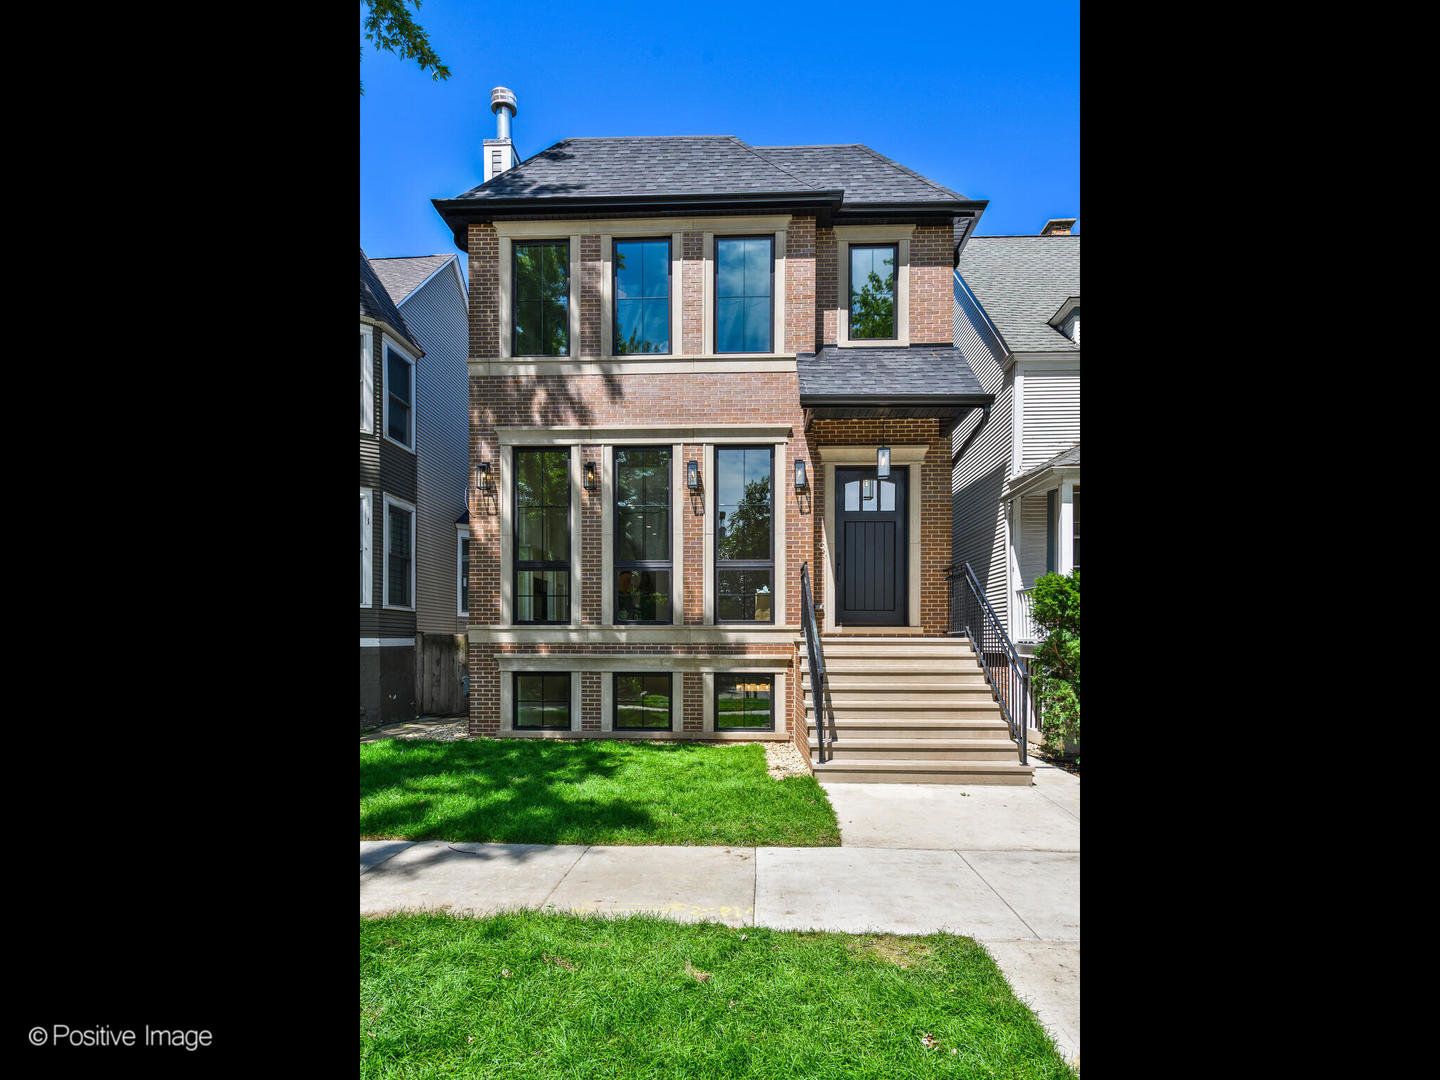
x,y
507,293
845,236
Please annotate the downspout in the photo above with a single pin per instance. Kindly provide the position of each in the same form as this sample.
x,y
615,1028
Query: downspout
x,y
984,419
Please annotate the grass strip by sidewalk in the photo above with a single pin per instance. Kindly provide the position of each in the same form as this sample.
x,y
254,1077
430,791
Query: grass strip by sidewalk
x,y
533,995
545,791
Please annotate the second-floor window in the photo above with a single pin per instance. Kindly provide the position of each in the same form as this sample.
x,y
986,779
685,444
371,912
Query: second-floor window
x,y
367,383
744,294
542,535
541,307
399,397
642,534
744,534
642,296
872,290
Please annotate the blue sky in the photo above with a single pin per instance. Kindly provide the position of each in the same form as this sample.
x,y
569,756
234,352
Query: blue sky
x,y
983,98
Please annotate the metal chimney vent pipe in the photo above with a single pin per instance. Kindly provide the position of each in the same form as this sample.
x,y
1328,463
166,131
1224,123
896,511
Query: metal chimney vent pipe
x,y
502,104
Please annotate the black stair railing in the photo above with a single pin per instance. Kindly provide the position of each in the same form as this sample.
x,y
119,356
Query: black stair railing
x,y
816,657
972,615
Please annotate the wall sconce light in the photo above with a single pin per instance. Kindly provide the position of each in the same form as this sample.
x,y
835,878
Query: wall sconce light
x,y
482,476
592,478
692,475
799,475
882,462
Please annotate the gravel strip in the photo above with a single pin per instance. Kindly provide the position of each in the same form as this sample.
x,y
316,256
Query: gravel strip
x,y
782,759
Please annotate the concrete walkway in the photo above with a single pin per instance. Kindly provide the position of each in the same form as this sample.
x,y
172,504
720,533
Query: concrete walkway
x,y
999,864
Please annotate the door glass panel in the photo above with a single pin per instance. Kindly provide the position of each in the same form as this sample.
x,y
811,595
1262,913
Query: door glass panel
x,y
852,495
887,495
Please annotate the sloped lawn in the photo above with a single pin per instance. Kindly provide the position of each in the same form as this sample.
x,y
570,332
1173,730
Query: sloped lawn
x,y
529,995
543,791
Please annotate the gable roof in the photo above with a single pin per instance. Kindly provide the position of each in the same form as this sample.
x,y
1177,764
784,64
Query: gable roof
x,y
375,303
1021,281
402,276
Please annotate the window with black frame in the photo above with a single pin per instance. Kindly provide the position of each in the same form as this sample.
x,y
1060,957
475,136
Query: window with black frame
x,y
540,312
744,534
642,535
642,296
872,290
744,294
542,701
744,702
399,393
542,535
643,701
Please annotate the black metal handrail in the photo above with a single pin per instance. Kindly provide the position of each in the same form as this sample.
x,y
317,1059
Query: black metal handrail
x,y
1005,671
816,656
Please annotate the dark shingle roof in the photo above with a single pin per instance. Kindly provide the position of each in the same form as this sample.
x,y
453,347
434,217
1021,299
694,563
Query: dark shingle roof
x,y
864,175
708,165
860,373
642,165
403,276
375,302
1021,281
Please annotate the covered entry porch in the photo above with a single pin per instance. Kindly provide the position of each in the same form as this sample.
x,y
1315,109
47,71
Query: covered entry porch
x,y
1042,513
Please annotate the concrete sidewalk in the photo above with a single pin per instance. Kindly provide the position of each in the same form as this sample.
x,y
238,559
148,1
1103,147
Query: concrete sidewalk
x,y
1001,865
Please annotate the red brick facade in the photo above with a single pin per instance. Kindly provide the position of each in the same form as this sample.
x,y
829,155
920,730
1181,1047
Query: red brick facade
x,y
702,400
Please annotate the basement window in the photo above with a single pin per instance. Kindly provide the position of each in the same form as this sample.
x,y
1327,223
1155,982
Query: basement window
x,y
744,702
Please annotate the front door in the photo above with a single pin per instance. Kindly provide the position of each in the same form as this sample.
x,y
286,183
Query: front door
x,y
871,548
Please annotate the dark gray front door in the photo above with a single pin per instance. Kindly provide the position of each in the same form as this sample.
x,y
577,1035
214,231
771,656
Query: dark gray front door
x,y
871,547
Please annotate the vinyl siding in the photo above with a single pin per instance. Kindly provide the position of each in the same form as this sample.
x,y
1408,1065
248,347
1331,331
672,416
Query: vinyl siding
x,y
437,317
385,469
1051,417
977,518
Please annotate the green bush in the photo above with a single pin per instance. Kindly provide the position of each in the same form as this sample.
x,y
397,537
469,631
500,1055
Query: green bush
x,y
1055,668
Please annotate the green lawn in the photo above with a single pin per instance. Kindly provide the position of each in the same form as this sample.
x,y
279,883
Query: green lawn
x,y
532,995
547,791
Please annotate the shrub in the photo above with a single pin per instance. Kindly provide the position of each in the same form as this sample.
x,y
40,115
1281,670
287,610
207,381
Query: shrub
x,y
1055,668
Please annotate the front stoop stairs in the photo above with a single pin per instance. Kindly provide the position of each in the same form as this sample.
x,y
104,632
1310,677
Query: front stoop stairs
x,y
906,710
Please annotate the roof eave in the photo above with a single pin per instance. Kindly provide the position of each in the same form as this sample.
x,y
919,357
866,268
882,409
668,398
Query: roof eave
x,y
863,401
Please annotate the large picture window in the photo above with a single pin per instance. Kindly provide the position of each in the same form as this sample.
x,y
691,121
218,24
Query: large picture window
x,y
642,535
542,536
872,290
642,296
542,702
744,534
744,702
541,309
744,294
642,701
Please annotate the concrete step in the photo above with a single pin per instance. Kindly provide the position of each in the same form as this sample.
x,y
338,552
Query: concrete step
x,y
846,748
963,665
937,647
887,727
934,693
910,708
843,771
904,680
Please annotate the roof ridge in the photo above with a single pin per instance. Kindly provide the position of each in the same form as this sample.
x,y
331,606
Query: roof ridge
x,y
777,165
895,164
810,146
392,258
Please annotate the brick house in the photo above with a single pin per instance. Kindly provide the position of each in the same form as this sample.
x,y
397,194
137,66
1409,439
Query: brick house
x,y
698,367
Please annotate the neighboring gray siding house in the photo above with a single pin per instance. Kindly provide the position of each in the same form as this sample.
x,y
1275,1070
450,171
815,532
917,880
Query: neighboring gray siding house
x,y
430,293
1016,481
388,359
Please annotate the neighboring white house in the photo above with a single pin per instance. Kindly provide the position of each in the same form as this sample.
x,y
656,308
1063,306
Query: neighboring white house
x,y
1015,485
